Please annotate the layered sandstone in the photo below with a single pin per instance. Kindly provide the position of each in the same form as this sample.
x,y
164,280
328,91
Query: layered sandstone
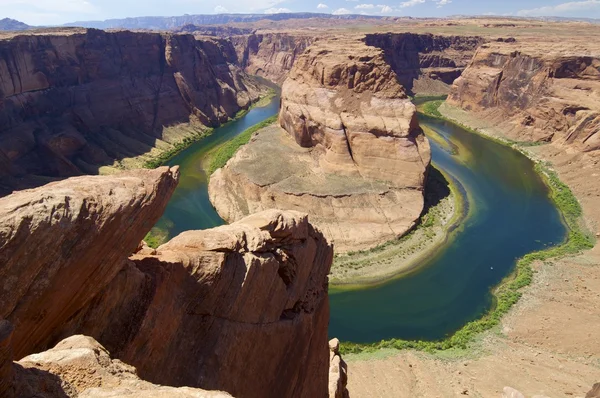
x,y
426,64
72,101
356,159
241,308
540,92
63,243
271,54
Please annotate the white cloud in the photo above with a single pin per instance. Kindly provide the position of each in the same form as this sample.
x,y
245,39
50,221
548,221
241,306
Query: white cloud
x,y
365,6
341,11
220,10
442,3
277,10
322,6
560,9
411,3
385,9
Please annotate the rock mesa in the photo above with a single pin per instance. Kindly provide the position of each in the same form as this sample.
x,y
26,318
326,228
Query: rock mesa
x,y
356,161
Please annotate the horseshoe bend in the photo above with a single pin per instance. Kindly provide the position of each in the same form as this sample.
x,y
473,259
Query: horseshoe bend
x,y
300,205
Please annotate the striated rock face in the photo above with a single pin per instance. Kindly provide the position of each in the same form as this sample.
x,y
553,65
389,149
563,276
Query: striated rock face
x,y
80,367
342,97
72,101
540,93
357,159
62,244
426,63
270,55
241,308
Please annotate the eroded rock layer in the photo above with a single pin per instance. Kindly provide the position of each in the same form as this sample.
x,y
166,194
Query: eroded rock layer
x,y
359,158
62,243
270,54
241,308
72,101
535,93
424,63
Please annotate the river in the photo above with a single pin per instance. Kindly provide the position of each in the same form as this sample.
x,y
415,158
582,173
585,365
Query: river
x,y
510,214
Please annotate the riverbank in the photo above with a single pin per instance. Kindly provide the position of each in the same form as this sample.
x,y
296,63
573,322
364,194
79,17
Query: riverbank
x,y
545,344
176,139
444,210
508,292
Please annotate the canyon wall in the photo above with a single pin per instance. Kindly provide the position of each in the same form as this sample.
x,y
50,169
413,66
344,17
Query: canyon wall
x,y
241,308
270,55
426,64
72,101
538,92
355,157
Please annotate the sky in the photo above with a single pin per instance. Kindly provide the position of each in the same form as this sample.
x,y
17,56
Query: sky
x,y
53,12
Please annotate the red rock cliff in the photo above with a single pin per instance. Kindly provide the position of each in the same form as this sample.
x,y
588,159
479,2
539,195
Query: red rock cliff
x,y
241,308
72,101
540,92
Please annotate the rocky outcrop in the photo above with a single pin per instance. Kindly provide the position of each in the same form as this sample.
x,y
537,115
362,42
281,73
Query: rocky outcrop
x,y
62,244
80,367
72,101
424,63
338,372
357,159
241,308
270,55
534,93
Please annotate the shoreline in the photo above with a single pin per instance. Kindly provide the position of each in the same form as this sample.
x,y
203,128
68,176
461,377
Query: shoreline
x,y
188,135
369,268
508,292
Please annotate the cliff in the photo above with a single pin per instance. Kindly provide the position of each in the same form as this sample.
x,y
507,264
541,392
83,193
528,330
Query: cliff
x,y
241,308
72,101
424,63
541,92
356,160
270,55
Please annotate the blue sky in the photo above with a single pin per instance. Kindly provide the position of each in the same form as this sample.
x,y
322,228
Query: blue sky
x,y
47,12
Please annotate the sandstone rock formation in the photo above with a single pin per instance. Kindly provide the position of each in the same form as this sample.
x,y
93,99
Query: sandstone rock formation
x,y
359,160
424,63
80,367
338,372
74,100
270,54
62,244
540,92
241,308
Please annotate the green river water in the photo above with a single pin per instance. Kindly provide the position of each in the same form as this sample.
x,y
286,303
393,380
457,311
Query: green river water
x,y
509,214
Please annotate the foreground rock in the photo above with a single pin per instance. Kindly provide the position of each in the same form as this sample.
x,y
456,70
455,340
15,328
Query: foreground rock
x,y
80,367
63,243
73,100
359,160
241,308
540,92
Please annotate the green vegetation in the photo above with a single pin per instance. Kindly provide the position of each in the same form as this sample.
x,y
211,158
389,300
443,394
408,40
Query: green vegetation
x,y
431,108
177,147
180,146
508,292
155,237
226,151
